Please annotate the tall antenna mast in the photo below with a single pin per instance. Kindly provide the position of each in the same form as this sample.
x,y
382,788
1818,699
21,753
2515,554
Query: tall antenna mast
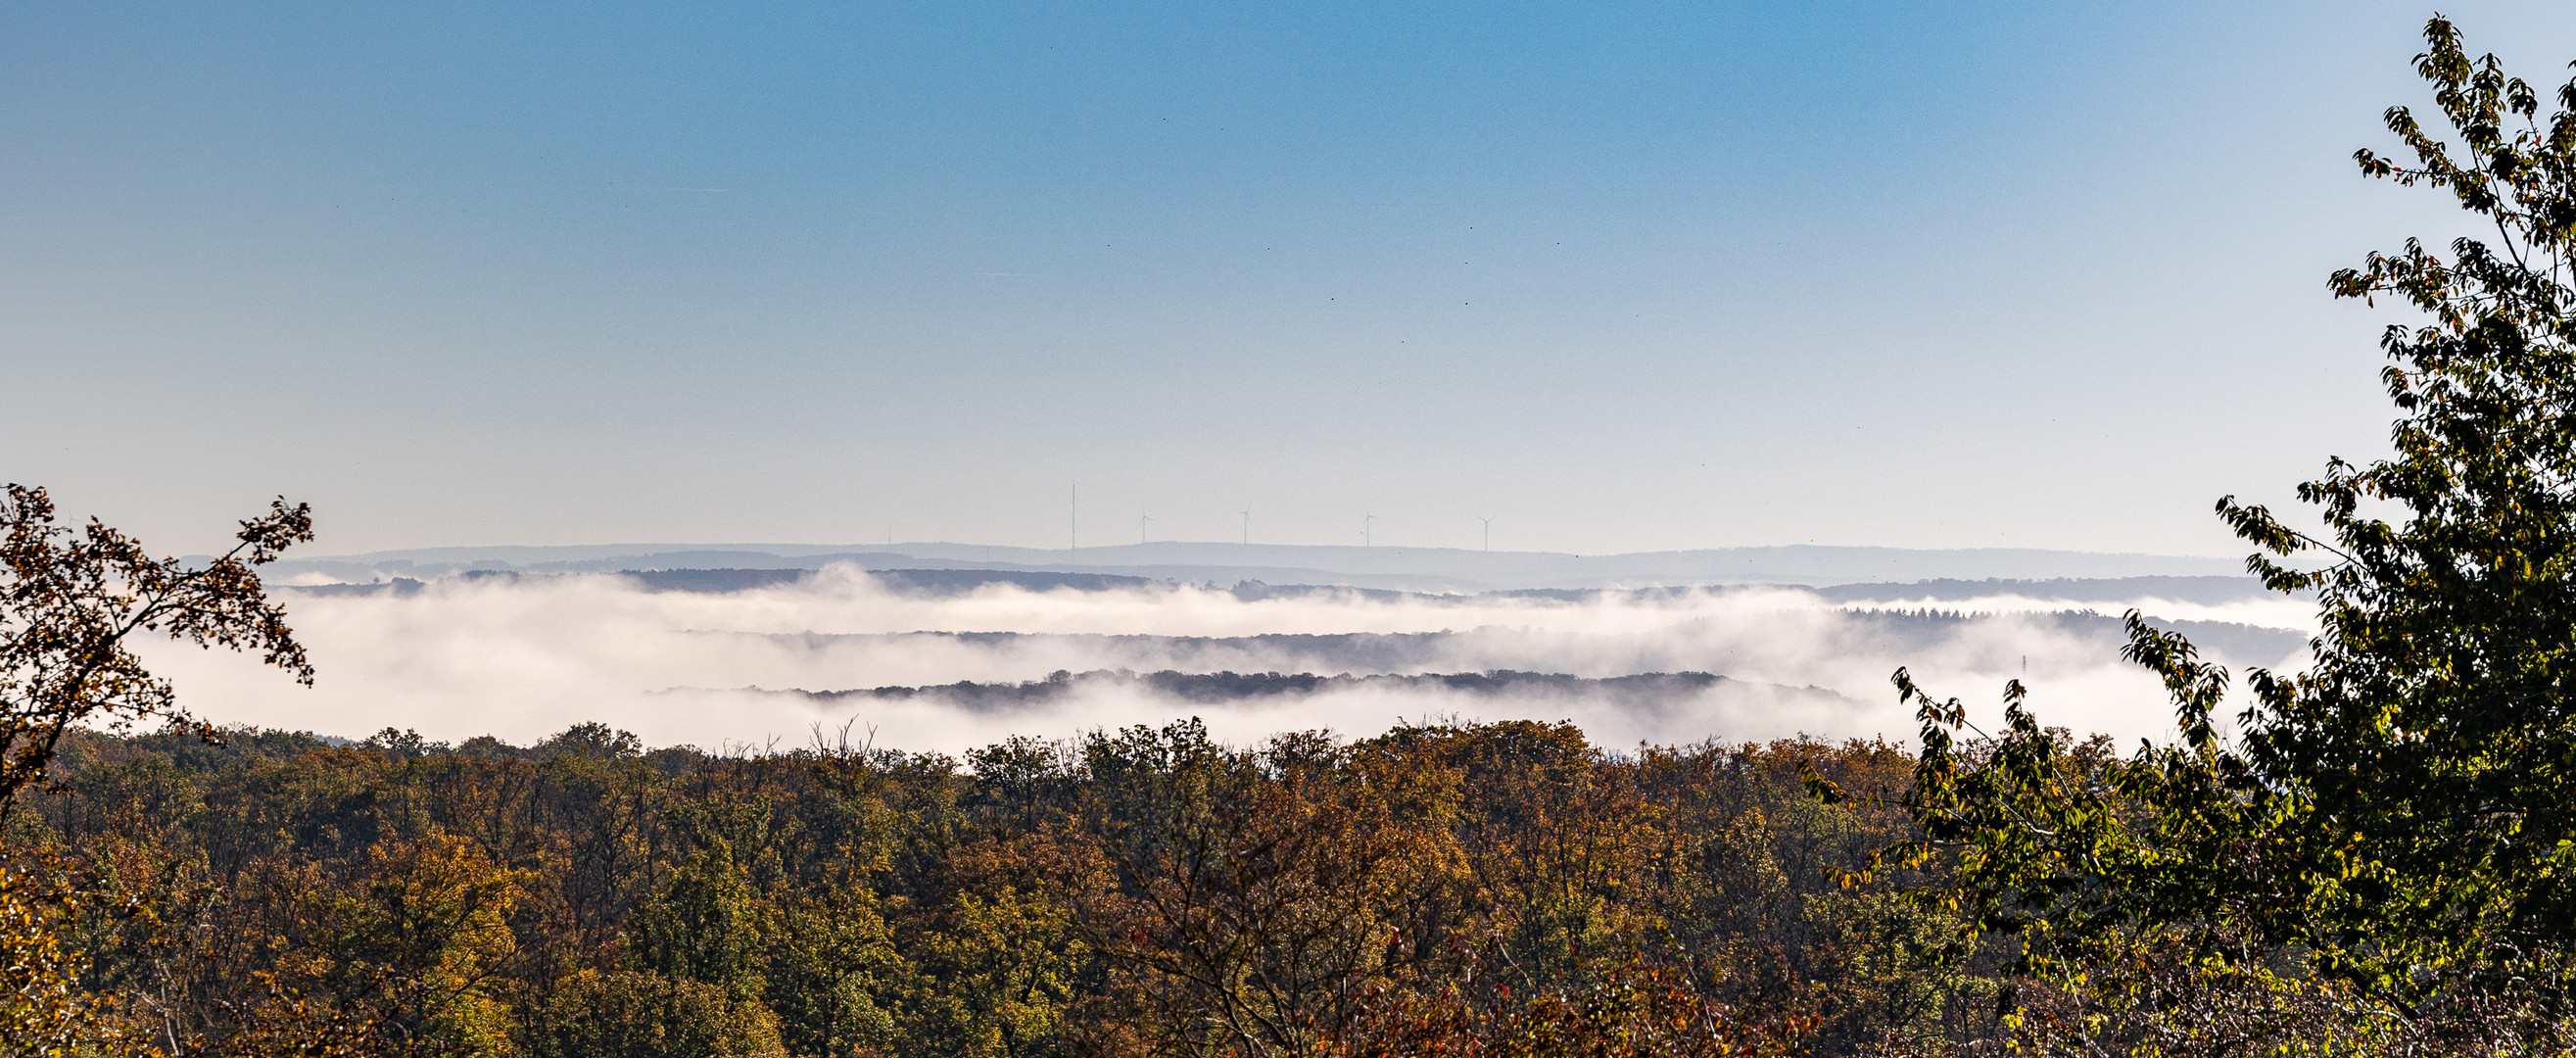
x,y
1489,530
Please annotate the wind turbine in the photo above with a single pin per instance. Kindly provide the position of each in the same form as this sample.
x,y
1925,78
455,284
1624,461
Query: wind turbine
x,y
1141,519
1367,522
1247,525
1489,530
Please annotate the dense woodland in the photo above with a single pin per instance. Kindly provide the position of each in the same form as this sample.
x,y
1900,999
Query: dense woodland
x,y
1432,890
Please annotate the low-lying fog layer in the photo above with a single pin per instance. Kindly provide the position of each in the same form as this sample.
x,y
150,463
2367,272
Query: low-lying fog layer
x,y
524,657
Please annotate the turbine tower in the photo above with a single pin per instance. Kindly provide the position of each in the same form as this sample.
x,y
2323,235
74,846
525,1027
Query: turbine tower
x,y
1247,525
1141,519
1489,530
1368,522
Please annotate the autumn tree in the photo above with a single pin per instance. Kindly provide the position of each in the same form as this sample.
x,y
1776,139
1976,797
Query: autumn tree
x,y
1259,885
70,600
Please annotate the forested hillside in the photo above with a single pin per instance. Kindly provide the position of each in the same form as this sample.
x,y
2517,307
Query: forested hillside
x,y
1137,892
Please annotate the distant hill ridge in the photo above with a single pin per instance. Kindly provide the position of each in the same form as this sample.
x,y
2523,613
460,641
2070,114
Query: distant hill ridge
x,y
1454,570
1641,690
943,582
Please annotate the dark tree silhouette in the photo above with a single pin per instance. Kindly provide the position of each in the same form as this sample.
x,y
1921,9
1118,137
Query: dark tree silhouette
x,y
70,599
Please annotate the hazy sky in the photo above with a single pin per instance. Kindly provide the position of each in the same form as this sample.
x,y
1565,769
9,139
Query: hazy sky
x,y
1624,276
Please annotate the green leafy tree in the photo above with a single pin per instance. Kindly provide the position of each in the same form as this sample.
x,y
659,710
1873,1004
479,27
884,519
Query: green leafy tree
x,y
710,925
625,1014
2402,815
827,972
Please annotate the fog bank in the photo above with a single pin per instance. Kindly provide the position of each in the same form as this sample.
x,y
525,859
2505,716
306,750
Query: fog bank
x,y
522,657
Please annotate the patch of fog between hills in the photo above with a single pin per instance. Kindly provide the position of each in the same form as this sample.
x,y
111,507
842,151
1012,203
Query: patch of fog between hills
x,y
1665,709
523,658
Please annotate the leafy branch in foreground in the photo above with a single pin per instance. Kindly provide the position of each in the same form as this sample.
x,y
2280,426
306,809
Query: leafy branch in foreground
x,y
2401,817
70,599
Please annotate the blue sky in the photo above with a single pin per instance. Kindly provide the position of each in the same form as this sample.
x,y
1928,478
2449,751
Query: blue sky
x,y
1624,276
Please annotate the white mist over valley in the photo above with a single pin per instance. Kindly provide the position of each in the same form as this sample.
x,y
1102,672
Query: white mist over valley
x,y
738,648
